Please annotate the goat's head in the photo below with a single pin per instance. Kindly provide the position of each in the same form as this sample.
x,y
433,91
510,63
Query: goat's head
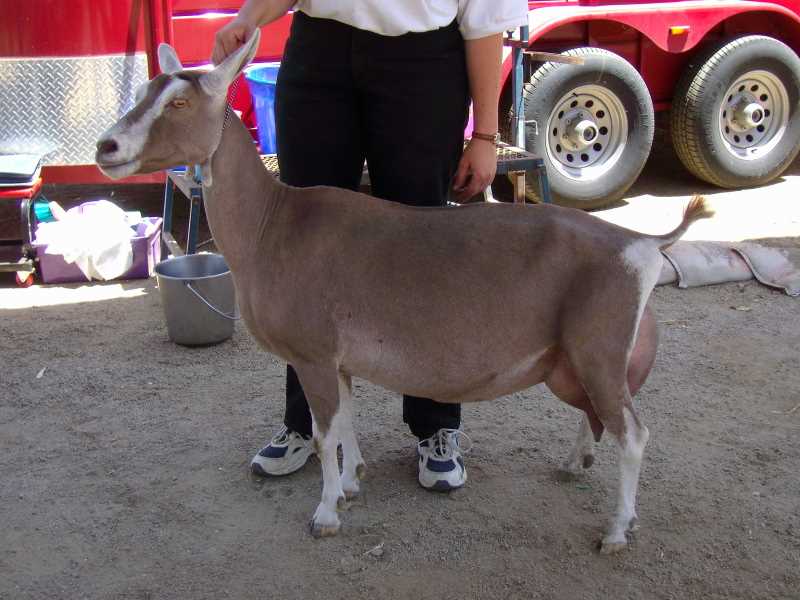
x,y
177,119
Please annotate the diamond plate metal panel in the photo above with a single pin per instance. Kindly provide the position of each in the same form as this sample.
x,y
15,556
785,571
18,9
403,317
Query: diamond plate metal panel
x,y
60,106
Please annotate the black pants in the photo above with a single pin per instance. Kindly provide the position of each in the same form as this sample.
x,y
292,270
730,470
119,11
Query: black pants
x,y
345,95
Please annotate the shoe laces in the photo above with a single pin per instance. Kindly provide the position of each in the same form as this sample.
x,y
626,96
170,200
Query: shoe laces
x,y
282,437
445,441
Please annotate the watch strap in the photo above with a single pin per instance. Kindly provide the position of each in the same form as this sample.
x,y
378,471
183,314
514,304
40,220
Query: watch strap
x,y
488,137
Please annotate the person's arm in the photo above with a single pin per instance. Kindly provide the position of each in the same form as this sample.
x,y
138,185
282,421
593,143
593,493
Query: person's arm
x,y
253,14
479,162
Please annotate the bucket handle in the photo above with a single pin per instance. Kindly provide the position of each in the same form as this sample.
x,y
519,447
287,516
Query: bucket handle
x,y
233,317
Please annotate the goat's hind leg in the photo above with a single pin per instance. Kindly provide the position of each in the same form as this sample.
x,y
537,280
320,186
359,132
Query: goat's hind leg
x,y
353,468
632,441
321,385
615,410
582,454
564,383
601,364
633,437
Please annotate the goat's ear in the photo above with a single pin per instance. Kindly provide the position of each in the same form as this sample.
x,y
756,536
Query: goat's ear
x,y
216,82
168,60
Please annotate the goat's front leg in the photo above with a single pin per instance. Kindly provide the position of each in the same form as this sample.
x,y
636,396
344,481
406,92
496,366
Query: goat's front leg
x,y
321,385
353,468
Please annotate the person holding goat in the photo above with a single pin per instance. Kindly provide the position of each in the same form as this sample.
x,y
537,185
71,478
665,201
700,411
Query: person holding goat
x,y
389,83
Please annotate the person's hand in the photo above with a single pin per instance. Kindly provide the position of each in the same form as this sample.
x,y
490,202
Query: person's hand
x,y
476,169
230,38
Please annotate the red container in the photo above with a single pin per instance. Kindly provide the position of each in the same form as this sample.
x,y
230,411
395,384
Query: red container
x,y
146,255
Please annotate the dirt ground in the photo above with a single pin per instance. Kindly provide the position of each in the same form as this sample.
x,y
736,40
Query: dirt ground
x,y
124,457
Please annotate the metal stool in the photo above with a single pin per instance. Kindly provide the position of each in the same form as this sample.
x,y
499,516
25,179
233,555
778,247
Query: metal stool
x,y
188,182
516,163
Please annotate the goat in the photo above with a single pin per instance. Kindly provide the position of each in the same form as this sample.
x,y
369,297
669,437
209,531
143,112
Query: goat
x,y
505,296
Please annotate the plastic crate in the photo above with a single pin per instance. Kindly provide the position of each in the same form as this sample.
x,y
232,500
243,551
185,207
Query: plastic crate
x,y
146,247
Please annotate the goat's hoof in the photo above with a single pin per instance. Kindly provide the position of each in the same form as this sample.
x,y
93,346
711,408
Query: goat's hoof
x,y
612,546
633,524
573,468
567,472
319,530
361,471
350,485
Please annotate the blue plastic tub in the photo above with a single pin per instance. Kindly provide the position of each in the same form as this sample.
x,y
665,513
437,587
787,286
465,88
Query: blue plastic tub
x,y
262,86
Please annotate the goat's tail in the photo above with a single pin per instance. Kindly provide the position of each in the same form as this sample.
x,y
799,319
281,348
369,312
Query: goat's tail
x,y
696,209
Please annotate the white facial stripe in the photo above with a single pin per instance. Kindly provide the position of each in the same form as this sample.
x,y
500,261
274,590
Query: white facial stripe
x,y
130,137
139,130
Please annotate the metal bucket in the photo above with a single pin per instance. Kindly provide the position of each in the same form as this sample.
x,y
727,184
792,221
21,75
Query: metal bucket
x,y
198,297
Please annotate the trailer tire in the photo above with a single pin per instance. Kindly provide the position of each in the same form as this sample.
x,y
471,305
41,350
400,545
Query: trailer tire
x,y
735,118
592,124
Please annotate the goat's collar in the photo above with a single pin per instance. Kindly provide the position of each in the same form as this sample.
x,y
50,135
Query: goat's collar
x,y
205,169
228,105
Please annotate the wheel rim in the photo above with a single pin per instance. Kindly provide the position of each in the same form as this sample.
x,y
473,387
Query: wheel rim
x,y
753,115
587,132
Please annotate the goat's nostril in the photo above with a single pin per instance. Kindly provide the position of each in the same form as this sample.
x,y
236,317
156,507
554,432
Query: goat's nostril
x,y
107,146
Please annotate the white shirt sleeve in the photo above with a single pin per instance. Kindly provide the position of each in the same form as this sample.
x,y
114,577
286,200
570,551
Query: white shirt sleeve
x,y
479,18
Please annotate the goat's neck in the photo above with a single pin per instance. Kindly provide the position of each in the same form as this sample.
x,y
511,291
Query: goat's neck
x,y
241,197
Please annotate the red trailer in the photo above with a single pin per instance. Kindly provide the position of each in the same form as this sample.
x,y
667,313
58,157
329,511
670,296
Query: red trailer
x,y
727,70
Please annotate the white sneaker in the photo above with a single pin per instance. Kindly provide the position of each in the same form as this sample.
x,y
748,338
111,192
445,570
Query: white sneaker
x,y
441,467
286,453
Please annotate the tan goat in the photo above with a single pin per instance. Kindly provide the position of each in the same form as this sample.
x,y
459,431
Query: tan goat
x,y
504,296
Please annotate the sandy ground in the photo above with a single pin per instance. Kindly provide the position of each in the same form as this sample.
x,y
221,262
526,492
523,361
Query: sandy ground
x,y
124,457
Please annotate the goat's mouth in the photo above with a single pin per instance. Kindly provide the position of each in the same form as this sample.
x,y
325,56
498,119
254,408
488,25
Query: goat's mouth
x,y
120,169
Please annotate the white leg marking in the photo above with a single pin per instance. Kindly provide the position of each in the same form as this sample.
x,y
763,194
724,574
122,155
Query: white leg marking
x,y
630,460
582,454
352,462
326,521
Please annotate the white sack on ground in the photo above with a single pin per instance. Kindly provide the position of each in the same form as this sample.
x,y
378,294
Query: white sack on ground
x,y
693,264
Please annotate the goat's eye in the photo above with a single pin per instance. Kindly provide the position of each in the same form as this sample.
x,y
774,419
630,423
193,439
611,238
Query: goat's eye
x,y
179,103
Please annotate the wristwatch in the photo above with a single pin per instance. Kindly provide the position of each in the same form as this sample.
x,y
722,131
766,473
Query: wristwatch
x,y
488,137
